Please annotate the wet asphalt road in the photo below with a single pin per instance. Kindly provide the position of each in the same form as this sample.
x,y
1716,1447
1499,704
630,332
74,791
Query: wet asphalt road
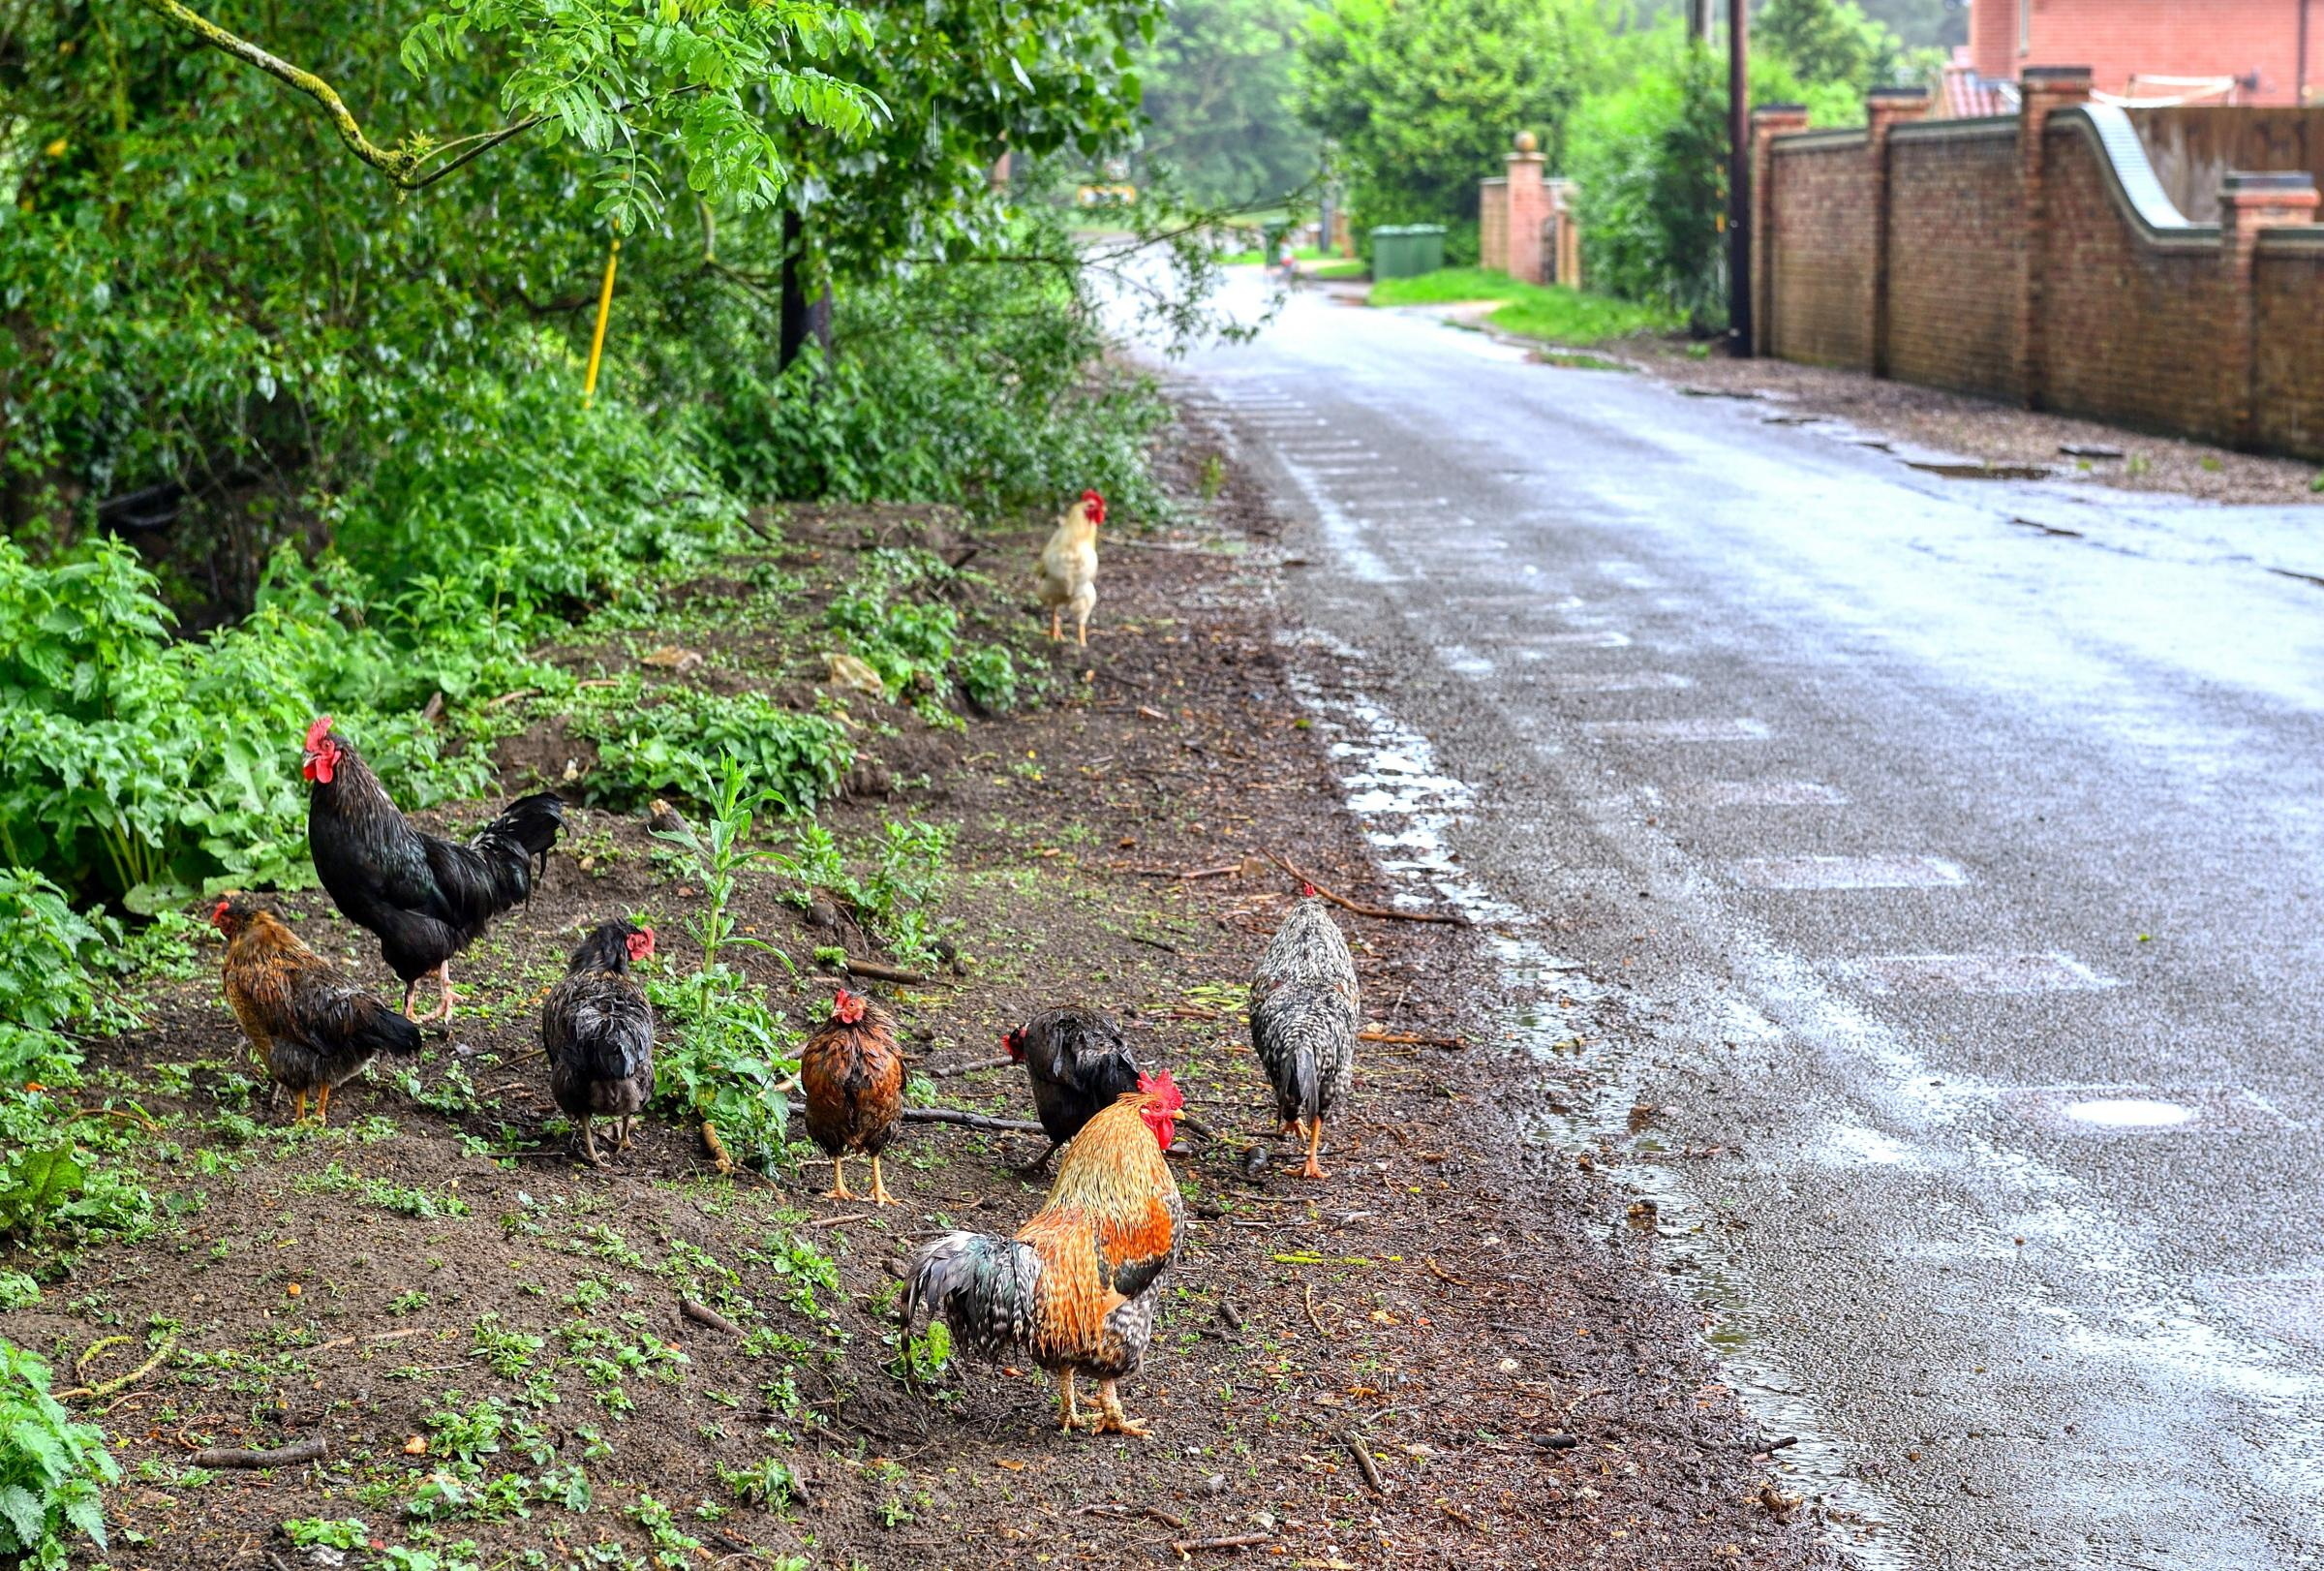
x,y
1960,880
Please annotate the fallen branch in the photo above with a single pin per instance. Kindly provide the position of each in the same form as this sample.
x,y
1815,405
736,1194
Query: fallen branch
x,y
886,973
1184,1547
377,1336
1380,912
835,1222
1307,1296
718,1156
978,1067
314,1448
704,1315
511,698
1410,1038
1363,1463
1154,944
970,1120
1189,874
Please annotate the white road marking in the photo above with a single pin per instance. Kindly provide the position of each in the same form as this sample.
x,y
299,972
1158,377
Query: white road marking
x,y
1989,974
2137,1110
1847,873
1675,731
1612,680
1596,638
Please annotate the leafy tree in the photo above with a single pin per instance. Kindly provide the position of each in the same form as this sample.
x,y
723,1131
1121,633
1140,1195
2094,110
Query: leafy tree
x,y
1650,161
1419,98
1218,85
1829,41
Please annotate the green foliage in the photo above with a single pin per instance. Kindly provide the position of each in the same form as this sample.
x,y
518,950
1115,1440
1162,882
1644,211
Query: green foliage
x,y
1217,77
888,883
675,737
1419,98
768,1484
989,677
53,1470
424,1205
1556,314
1650,160
722,1058
48,972
326,1532
1829,41
925,1356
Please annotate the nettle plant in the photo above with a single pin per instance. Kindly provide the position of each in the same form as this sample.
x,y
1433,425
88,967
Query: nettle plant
x,y
52,1471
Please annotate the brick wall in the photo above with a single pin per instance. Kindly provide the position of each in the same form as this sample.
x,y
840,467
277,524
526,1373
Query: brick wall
x,y
2048,266
2134,328
1820,247
1492,225
1954,234
2179,38
2289,371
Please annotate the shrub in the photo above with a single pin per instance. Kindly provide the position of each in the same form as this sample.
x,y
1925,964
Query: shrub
x,y
53,1470
683,735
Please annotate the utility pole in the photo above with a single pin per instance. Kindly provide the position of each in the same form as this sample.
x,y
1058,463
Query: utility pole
x,y
1738,179
1699,20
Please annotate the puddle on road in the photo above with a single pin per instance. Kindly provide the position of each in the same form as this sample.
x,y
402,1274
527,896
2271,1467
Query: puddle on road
x,y
1409,806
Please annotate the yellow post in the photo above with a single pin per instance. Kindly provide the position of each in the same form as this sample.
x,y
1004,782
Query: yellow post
x,y
596,342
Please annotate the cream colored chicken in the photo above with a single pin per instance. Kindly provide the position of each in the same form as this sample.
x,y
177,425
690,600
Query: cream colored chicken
x,y
1068,570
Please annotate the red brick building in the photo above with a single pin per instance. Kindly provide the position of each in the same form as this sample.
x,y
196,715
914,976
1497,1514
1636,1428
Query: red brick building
x,y
2270,49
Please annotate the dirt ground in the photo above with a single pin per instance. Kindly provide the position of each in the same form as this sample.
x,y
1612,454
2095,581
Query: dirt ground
x,y
1470,1311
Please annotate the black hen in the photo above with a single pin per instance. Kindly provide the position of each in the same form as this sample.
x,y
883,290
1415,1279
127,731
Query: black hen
x,y
425,898
1078,1067
597,1031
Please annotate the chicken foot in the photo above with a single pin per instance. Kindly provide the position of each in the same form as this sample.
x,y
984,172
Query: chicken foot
x,y
879,1188
1056,626
839,1190
1111,1419
322,1108
1315,1139
588,1142
443,1008
1069,1408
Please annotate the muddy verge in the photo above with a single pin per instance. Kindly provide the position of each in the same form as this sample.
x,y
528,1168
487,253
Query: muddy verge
x,y
1456,1351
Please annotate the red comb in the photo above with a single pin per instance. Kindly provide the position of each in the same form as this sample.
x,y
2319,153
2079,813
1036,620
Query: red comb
x,y
1162,1089
318,731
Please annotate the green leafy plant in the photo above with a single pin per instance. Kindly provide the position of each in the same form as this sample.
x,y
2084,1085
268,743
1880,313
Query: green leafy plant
x,y
326,1532
53,1470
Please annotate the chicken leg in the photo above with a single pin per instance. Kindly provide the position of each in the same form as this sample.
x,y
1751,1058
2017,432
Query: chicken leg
x,y
839,1190
443,1008
1069,1408
322,1108
1315,1138
588,1142
1056,626
1112,1420
622,1132
298,1112
879,1188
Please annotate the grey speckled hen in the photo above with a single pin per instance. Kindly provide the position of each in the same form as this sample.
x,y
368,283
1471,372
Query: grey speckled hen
x,y
1305,1016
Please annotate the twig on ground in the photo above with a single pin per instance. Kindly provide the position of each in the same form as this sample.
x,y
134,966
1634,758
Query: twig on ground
x,y
377,1336
718,1156
313,1448
1184,1547
1154,944
105,1388
970,1120
703,1314
837,1221
1189,874
1441,1274
1410,1038
1363,1462
886,973
1308,1297
978,1067
123,1113
1382,912
1228,1313
511,698
1177,1524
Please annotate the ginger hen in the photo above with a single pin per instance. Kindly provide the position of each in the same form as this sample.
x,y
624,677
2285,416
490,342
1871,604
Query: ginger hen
x,y
852,1079
425,898
597,1032
1304,1017
314,1026
1067,575
1079,1067
1078,1287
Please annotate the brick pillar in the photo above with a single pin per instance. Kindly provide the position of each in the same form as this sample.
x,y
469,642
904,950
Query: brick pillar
x,y
2042,91
1767,122
1883,107
2251,203
1565,265
1528,209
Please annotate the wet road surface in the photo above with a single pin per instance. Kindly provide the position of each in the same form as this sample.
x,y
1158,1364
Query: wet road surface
x,y
1950,884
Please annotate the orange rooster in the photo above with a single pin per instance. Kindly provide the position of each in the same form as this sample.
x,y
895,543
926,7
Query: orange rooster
x,y
312,1025
852,1078
1068,572
1077,1287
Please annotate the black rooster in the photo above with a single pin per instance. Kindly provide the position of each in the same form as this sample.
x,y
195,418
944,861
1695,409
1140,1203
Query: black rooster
x,y
597,1031
425,898
1079,1067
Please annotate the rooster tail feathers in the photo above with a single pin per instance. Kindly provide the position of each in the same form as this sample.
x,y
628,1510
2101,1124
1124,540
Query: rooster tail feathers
x,y
1305,1089
982,1287
515,846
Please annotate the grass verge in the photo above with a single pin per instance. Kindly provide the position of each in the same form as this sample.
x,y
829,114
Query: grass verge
x,y
1552,313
